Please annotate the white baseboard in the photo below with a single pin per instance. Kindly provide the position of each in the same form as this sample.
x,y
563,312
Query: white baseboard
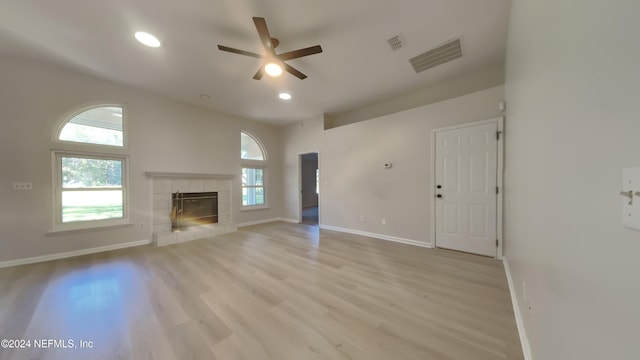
x,y
264,221
68,254
378,236
293,221
257,222
524,341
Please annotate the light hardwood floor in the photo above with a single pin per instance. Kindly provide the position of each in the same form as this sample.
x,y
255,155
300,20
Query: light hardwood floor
x,y
276,291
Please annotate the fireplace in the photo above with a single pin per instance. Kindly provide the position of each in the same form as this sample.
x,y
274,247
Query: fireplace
x,y
166,184
193,209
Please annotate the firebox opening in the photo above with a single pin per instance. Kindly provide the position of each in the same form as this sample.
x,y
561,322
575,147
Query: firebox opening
x,y
193,209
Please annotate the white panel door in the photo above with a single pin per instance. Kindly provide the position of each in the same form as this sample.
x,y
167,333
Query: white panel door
x,y
466,163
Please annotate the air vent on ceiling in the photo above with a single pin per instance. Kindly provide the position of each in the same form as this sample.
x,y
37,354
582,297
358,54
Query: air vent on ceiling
x,y
396,42
440,55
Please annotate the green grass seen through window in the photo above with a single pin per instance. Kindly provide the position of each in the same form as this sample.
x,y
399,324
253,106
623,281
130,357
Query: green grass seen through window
x,y
87,213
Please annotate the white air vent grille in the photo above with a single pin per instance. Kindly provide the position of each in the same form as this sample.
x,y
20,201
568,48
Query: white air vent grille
x,y
396,42
440,55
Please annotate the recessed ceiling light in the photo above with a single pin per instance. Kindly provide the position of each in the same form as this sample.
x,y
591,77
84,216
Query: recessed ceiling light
x,y
284,96
273,69
147,39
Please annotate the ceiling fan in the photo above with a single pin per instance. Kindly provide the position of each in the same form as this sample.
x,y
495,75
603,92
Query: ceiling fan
x,y
274,62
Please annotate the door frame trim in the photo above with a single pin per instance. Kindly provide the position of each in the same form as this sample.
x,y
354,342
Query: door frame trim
x,y
499,179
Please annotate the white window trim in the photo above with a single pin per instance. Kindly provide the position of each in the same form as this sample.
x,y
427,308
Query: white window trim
x,y
58,225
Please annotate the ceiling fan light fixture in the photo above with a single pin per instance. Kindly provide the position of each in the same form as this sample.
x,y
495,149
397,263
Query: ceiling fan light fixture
x,y
147,39
275,63
273,69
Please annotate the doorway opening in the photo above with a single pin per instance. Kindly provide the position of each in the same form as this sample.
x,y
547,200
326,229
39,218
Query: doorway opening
x,y
309,189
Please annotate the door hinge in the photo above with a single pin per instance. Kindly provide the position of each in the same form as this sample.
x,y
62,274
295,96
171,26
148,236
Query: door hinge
x,y
497,190
496,242
498,134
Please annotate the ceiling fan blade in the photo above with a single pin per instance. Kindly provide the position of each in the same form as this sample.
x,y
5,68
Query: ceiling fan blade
x,y
300,53
241,52
263,31
293,71
258,74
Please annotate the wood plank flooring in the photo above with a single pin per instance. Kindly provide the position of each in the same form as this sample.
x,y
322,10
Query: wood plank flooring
x,y
276,291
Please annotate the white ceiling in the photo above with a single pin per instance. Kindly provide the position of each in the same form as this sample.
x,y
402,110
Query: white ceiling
x,y
356,68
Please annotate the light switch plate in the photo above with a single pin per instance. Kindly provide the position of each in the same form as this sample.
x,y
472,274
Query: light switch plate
x,y
22,186
631,212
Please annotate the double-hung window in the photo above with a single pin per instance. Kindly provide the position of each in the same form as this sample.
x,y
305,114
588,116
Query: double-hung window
x,y
252,186
90,168
253,157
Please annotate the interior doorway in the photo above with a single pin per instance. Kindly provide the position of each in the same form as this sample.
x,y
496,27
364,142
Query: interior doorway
x,y
309,189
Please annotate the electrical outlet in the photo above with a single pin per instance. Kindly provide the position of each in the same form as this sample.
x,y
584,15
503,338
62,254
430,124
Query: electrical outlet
x,y
22,186
384,221
361,218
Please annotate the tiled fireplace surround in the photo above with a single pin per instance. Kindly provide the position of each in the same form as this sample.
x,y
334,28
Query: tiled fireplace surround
x,y
164,184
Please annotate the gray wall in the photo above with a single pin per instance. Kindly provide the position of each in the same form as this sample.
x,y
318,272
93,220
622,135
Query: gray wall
x,y
353,182
164,135
573,124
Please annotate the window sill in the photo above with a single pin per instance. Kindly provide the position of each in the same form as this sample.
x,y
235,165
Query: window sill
x,y
255,207
63,231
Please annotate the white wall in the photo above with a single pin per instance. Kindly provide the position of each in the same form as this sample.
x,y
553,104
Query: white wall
x,y
462,84
353,182
573,123
164,135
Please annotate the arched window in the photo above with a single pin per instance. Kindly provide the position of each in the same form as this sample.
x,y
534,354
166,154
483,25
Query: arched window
x,y
253,156
100,125
90,168
250,147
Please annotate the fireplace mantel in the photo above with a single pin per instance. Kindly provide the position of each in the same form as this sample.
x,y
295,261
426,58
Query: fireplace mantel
x,y
156,174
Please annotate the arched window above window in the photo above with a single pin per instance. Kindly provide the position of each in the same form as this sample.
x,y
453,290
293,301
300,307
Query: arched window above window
x,y
90,164
254,169
99,125
250,148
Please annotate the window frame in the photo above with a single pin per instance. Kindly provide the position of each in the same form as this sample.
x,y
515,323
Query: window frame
x,y
64,148
255,164
59,189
